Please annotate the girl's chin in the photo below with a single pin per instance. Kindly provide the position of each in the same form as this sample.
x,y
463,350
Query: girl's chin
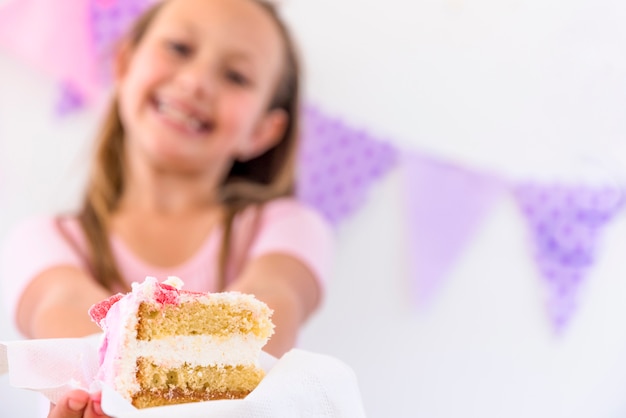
x,y
168,154
179,163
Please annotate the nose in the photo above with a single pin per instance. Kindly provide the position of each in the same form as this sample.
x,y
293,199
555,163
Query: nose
x,y
196,78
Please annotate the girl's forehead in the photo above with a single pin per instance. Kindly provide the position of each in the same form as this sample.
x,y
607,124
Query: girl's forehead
x,y
237,18
240,24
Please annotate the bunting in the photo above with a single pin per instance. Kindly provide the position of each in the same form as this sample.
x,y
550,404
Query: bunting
x,y
446,205
52,36
69,100
566,223
338,164
108,21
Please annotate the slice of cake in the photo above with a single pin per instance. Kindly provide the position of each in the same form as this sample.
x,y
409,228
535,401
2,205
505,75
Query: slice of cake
x,y
163,345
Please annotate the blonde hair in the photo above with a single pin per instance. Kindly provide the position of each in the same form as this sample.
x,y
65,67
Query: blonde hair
x,y
252,182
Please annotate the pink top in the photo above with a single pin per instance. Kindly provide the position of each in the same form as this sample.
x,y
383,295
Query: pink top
x,y
284,226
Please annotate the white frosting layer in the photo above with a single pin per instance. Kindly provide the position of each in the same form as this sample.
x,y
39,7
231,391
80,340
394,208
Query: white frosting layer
x,y
200,350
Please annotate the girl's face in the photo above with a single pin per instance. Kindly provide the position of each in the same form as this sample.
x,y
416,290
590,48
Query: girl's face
x,y
194,94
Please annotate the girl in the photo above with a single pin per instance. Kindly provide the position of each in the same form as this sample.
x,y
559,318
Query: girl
x,y
193,176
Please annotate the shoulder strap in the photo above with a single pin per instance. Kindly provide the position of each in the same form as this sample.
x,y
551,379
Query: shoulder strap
x,y
243,237
62,229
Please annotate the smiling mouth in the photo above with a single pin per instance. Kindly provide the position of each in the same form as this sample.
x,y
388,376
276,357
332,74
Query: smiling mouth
x,y
181,117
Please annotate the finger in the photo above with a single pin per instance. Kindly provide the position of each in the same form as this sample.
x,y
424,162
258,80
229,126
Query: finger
x,y
94,408
72,405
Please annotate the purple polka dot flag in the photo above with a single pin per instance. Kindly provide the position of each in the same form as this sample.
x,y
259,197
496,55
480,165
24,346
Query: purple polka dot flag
x,y
338,164
109,21
566,223
69,100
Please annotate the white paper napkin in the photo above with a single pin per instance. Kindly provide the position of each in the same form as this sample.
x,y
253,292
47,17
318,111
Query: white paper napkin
x,y
300,383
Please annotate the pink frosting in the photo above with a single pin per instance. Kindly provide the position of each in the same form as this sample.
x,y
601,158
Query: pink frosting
x,y
113,315
99,311
163,294
166,294
109,349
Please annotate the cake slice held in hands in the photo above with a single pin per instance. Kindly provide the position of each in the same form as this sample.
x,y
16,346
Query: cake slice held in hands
x,y
163,345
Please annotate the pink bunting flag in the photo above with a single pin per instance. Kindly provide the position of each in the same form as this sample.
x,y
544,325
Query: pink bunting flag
x,y
566,223
338,164
107,21
53,37
446,205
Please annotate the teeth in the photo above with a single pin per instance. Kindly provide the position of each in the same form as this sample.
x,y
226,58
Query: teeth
x,y
178,115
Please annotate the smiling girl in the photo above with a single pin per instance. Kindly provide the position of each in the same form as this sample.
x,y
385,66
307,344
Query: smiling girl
x,y
193,176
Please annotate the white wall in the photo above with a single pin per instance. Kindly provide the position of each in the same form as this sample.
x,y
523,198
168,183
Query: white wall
x,y
40,171
527,89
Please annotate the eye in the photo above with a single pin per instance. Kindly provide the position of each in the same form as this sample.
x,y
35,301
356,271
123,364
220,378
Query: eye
x,y
179,48
237,78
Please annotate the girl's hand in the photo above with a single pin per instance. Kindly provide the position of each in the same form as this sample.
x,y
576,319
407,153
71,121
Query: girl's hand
x,y
77,404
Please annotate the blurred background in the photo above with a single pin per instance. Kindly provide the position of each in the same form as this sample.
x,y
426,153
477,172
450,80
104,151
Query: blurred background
x,y
474,98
